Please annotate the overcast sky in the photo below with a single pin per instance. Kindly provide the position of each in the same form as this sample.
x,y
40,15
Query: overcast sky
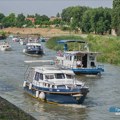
x,y
46,7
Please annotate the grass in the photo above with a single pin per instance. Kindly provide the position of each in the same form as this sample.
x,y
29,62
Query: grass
x,y
108,46
9,111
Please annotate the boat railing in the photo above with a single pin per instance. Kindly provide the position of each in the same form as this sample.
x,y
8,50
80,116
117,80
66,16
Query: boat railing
x,y
48,84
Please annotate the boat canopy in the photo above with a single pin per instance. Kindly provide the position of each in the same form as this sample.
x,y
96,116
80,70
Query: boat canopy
x,y
68,41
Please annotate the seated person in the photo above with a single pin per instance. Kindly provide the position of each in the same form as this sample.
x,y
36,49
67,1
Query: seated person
x,y
79,63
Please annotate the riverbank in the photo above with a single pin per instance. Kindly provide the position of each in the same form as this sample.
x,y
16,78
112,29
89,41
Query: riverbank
x,y
9,111
108,46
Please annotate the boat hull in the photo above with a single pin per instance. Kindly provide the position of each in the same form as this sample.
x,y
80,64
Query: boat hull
x,y
58,97
92,71
40,52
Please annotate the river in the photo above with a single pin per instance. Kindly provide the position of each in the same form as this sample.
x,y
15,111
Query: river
x,y
104,91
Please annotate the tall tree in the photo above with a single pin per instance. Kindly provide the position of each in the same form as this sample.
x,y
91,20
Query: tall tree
x,y
86,21
1,17
20,20
9,21
58,15
116,16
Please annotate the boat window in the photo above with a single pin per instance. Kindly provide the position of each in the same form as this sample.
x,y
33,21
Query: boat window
x,y
41,76
70,58
28,47
69,76
92,57
75,57
78,86
92,64
38,76
61,86
59,76
49,76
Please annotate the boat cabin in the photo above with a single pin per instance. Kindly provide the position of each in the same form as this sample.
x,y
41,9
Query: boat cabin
x,y
76,59
53,77
33,46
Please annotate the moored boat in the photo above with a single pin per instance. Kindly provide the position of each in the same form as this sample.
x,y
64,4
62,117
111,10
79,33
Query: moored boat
x,y
52,84
15,39
4,46
80,61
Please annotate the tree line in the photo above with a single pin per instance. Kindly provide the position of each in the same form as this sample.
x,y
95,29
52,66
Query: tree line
x,y
87,20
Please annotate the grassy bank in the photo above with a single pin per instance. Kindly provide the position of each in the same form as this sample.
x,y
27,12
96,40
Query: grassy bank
x,y
9,111
109,46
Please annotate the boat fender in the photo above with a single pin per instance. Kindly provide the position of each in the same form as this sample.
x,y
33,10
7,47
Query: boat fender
x,y
30,86
24,84
37,93
42,95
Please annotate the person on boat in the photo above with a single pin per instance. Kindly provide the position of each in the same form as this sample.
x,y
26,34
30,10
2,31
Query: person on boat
x,y
79,63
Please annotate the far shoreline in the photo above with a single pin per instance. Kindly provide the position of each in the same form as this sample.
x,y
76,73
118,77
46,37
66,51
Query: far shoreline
x,y
46,32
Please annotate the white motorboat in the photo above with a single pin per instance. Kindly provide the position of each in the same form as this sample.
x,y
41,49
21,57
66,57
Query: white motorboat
x,y
54,85
5,46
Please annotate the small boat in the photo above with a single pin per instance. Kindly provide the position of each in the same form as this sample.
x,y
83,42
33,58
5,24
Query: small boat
x,y
33,49
80,61
23,41
54,85
42,39
15,39
5,46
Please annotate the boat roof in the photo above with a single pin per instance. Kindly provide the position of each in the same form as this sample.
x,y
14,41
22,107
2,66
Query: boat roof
x,y
66,41
52,70
81,52
35,44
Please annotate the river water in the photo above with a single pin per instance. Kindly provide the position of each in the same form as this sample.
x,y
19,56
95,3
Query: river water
x,y
104,91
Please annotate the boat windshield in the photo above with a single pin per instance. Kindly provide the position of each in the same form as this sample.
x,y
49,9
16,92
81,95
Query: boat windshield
x,y
59,76
49,76
69,76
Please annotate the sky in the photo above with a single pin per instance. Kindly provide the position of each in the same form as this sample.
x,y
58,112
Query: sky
x,y
47,7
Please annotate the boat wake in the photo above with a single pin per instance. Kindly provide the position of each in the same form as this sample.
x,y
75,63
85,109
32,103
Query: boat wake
x,y
73,105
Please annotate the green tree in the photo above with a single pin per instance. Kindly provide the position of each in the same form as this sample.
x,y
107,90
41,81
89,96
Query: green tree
x,y
45,18
1,17
41,19
58,15
38,20
9,21
76,13
28,23
86,21
116,16
20,20
101,20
